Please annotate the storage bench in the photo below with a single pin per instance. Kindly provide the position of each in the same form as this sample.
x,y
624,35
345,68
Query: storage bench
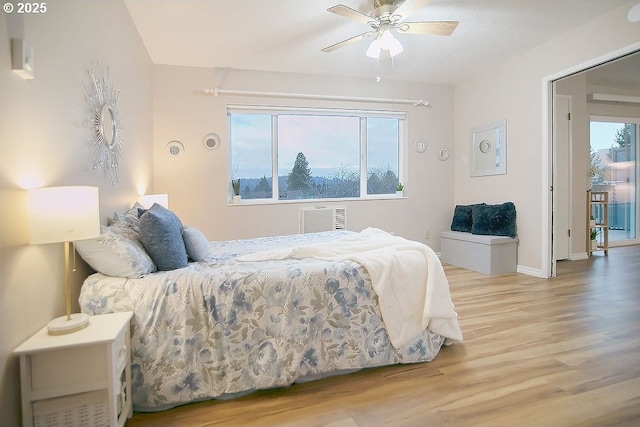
x,y
484,254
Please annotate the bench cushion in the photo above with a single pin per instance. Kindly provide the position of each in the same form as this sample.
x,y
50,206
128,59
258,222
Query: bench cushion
x,y
463,218
494,220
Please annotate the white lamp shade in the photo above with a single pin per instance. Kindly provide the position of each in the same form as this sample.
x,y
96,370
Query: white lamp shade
x,y
148,200
634,13
63,214
387,42
374,49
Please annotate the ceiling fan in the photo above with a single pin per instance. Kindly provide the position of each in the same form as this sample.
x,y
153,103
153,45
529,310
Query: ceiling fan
x,y
386,19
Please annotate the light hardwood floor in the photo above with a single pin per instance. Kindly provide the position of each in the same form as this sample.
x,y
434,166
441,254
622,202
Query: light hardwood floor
x,y
556,352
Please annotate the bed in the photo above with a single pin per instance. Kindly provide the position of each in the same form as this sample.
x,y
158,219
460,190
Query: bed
x,y
267,312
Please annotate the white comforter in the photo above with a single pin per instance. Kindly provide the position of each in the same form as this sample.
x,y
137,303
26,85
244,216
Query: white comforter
x,y
407,276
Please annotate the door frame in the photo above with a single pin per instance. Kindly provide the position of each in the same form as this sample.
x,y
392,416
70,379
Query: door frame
x,y
548,259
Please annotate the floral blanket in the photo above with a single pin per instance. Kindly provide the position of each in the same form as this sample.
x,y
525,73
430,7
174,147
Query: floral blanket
x,y
223,327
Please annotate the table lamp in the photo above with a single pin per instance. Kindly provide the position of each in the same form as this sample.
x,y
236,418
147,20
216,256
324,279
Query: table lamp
x,y
147,200
64,214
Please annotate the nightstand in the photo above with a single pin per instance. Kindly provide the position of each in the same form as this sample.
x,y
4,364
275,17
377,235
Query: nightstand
x,y
82,378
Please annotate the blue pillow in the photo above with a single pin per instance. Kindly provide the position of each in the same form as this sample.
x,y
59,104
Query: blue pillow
x,y
462,218
495,220
161,233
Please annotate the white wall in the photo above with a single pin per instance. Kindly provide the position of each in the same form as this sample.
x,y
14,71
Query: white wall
x,y
197,182
513,90
43,144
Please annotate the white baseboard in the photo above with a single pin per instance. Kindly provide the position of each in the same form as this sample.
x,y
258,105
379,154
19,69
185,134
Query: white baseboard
x,y
535,272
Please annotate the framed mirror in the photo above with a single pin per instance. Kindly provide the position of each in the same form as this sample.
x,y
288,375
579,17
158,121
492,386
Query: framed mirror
x,y
489,149
103,122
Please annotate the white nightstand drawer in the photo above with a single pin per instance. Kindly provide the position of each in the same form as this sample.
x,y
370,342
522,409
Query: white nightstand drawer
x,y
70,370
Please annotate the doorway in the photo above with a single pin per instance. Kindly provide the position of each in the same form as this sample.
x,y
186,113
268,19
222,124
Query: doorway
x,y
551,165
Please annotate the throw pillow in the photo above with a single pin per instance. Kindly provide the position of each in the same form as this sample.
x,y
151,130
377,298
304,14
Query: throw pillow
x,y
463,218
161,233
114,255
129,218
495,220
196,243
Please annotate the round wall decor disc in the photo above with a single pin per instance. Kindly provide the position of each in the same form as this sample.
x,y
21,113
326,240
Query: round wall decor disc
x,y
175,148
420,145
211,141
442,153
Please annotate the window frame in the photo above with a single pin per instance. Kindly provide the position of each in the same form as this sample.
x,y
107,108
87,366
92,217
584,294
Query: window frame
x,y
362,114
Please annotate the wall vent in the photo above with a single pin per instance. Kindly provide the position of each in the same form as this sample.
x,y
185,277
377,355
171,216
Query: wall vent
x,y
322,218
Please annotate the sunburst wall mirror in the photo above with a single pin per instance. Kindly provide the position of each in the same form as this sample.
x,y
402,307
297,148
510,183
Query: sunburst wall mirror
x,y
105,139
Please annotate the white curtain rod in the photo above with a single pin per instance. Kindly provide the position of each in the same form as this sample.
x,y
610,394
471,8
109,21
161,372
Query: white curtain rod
x,y
218,92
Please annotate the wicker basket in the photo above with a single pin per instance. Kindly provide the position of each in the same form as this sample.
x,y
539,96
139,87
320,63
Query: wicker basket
x,y
84,409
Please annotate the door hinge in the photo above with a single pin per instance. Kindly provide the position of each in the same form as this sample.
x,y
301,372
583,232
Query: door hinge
x,y
568,116
568,233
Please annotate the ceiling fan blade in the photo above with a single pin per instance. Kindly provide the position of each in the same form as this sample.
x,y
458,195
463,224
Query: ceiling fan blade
x,y
437,28
349,13
409,7
348,41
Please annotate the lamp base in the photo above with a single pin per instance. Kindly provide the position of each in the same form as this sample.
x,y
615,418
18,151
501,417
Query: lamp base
x,y
63,325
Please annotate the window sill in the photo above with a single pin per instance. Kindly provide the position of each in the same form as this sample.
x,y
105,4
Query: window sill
x,y
259,202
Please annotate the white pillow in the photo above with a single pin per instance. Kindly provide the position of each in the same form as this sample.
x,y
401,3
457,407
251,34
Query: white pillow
x,y
114,255
197,245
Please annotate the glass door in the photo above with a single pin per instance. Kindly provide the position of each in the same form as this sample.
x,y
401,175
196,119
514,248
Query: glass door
x,y
614,153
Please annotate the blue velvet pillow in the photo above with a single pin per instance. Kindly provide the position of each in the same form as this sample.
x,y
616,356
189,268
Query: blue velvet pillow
x,y
495,220
462,218
161,233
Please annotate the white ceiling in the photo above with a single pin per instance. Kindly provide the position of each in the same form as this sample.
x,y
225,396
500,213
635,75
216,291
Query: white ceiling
x,y
287,35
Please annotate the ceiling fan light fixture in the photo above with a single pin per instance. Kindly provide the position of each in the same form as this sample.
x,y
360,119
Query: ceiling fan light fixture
x,y
374,49
386,18
390,43
395,48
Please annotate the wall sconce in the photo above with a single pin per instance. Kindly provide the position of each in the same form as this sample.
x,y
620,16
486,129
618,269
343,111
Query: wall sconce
x,y
22,59
64,214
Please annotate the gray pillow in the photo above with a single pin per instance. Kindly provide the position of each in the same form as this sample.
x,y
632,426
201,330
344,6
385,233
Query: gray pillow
x,y
196,243
161,233
115,255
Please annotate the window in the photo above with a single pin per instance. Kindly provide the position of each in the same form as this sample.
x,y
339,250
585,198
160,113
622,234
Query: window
x,y
614,149
301,154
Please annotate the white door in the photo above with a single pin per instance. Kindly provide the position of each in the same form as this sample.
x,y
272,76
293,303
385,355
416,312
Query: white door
x,y
562,178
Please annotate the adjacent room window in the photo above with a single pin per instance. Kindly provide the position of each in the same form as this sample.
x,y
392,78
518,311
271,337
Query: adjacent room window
x,y
301,154
614,149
